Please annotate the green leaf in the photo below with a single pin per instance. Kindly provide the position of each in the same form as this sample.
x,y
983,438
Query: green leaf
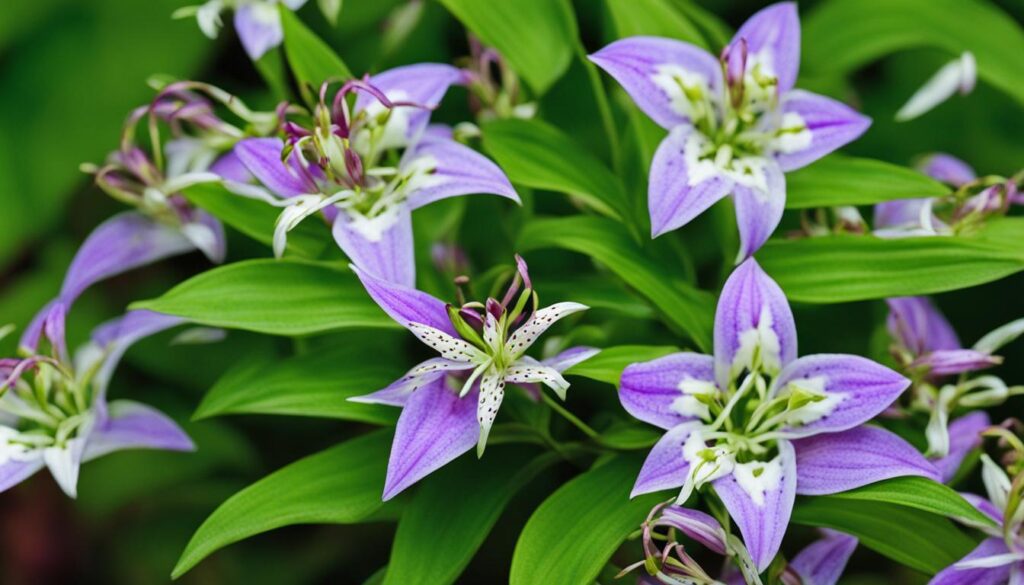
x,y
845,180
279,297
311,60
657,18
536,36
256,219
315,384
418,555
607,366
838,37
341,485
836,269
920,493
536,154
917,539
686,307
571,536
596,293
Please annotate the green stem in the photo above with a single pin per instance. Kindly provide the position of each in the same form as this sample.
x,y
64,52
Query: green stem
x,y
572,418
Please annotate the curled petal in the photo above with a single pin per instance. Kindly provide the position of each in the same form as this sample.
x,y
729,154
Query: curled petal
x,y
773,41
520,373
680,187
837,462
1000,336
752,314
406,305
853,390
964,437
905,217
761,504
919,326
697,525
435,427
656,391
645,67
385,249
813,126
665,467
945,362
948,169
131,425
955,575
759,209
539,322
262,156
457,170
822,562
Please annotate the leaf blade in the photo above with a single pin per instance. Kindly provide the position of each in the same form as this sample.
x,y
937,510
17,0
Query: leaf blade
x,y
845,180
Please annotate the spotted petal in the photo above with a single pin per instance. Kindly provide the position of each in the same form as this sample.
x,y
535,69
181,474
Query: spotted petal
x,y
813,126
761,504
645,67
457,170
492,392
681,186
539,322
665,467
773,41
435,427
759,207
397,392
525,373
855,390
450,348
822,562
382,246
654,391
752,313
406,305
837,462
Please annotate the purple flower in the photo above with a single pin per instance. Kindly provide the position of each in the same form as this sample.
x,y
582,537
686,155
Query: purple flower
x,y
450,402
761,425
735,123
999,558
54,412
257,22
369,169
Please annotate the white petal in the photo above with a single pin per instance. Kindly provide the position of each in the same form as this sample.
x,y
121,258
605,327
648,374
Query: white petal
x,y
541,320
64,463
525,373
449,347
492,391
958,75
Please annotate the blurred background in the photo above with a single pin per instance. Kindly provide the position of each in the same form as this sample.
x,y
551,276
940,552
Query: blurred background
x,y
70,70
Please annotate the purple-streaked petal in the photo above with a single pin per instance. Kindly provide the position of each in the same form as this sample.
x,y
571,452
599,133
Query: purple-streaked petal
x,y
919,326
697,525
822,562
423,84
828,125
570,357
262,156
49,323
230,167
638,62
964,437
945,362
13,472
386,253
752,309
948,169
131,425
675,195
773,41
665,467
435,427
762,505
837,462
458,170
759,208
856,390
397,393
259,28
990,576
654,391
406,305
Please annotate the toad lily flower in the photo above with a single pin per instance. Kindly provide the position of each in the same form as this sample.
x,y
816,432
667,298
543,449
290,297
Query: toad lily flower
x,y
368,169
735,124
55,411
761,425
928,349
450,402
999,559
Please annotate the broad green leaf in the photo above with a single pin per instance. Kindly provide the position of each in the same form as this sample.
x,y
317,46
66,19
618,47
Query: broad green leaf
x,y
845,180
341,485
659,18
256,219
315,384
279,297
596,293
537,37
843,35
836,269
629,436
918,492
418,555
688,308
607,366
917,539
571,536
311,60
538,155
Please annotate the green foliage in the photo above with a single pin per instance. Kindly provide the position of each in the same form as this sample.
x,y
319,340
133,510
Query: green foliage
x,y
843,180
